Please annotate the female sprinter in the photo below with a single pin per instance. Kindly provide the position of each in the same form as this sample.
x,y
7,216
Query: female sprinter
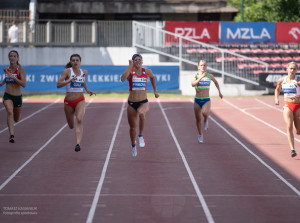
x,y
291,114
201,82
138,104
74,104
12,98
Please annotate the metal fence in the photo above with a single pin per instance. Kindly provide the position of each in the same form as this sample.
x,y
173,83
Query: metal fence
x,y
70,33
189,51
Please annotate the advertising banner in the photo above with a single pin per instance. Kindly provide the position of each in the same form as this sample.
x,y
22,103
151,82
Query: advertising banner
x,y
99,78
288,32
200,31
269,80
247,32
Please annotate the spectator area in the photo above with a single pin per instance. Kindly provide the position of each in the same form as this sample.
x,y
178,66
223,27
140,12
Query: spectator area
x,y
277,56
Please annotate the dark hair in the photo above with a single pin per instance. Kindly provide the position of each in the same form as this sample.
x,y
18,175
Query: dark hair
x,y
137,55
68,65
14,51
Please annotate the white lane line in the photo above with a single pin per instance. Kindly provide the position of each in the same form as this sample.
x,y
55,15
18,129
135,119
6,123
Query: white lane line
x,y
150,195
198,192
100,184
30,159
270,106
258,158
33,156
258,119
29,116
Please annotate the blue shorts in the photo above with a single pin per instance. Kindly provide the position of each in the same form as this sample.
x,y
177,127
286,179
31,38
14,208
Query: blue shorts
x,y
201,101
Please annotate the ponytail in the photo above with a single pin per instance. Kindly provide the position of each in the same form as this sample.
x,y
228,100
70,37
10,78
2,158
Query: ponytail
x,y
68,65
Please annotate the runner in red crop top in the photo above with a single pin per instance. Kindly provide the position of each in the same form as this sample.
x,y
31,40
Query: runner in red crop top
x,y
138,104
12,98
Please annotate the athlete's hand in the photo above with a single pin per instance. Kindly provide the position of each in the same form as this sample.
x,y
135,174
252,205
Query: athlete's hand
x,y
156,94
131,63
74,78
276,102
90,92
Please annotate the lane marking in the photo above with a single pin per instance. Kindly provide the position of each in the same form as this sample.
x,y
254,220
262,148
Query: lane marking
x,y
101,180
33,156
258,158
192,178
258,119
29,116
149,195
252,153
270,106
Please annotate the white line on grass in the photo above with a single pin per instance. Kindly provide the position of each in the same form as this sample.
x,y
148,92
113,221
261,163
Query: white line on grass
x,y
198,192
100,184
33,155
29,116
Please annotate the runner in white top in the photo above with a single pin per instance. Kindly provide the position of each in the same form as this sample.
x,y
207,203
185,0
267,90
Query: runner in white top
x,y
74,80
291,112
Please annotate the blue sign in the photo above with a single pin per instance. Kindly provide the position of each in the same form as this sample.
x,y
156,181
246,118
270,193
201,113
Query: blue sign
x,y
248,32
99,78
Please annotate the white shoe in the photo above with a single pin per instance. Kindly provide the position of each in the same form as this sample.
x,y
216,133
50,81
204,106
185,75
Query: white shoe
x,y
133,151
206,125
200,138
141,141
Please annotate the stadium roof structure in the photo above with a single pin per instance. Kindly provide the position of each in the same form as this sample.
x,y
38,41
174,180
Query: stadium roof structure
x,y
133,6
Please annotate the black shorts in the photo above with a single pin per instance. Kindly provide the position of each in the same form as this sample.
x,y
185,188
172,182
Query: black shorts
x,y
17,100
136,105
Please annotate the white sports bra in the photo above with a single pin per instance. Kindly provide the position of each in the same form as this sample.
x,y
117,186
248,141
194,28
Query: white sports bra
x,y
290,89
76,86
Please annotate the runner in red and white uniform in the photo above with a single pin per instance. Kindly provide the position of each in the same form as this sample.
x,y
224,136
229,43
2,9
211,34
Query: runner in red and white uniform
x,y
74,104
290,86
138,104
12,98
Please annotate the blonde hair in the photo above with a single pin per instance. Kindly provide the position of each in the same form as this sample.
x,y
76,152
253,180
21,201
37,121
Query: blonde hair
x,y
201,61
292,63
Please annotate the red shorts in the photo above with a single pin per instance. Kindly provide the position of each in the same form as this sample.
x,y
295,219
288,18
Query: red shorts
x,y
292,106
74,103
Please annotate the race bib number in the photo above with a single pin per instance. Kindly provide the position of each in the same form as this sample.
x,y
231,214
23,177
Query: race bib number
x,y
76,84
139,83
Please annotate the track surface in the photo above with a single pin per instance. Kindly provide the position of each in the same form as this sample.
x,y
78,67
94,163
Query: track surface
x,y
242,172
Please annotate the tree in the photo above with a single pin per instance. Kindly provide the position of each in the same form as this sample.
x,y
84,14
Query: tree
x,y
268,10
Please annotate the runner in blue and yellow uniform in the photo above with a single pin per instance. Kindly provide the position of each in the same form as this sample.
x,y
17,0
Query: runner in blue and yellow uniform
x,y
12,98
138,104
201,82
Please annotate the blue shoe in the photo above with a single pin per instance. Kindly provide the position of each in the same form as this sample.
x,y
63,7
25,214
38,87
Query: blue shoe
x,y
293,153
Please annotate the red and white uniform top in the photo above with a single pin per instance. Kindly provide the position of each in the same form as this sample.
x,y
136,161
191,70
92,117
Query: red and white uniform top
x,y
76,86
15,74
137,82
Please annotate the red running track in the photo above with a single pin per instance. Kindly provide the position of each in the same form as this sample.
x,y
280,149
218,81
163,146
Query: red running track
x,y
242,173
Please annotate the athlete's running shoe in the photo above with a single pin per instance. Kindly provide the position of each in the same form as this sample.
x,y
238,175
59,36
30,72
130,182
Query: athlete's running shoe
x,y
77,148
133,151
141,141
200,138
206,125
293,153
12,139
